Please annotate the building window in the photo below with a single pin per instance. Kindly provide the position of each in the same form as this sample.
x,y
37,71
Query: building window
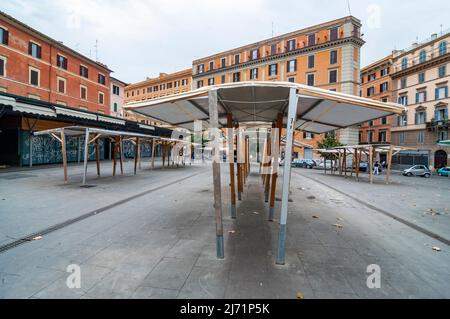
x,y
334,33
384,120
162,86
61,62
369,137
273,49
311,61
199,84
101,79
310,79
384,87
312,39
273,69
420,137
83,92
308,136
443,136
223,62
404,63
421,97
138,92
420,117
441,92
333,76
291,66
403,100
61,85
200,68
184,82
237,58
401,120
290,46
384,72
384,99
101,98
254,54
2,66
422,56
155,88
34,50
370,91
115,107
116,90
291,79
237,77
4,36
382,136
333,57
371,77
442,48
34,76
442,71
84,71
211,81
169,85
441,114
254,74
421,77
211,65
149,89
403,83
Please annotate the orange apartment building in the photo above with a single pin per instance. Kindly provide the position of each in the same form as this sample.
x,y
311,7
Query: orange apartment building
x,y
153,88
376,83
36,66
325,55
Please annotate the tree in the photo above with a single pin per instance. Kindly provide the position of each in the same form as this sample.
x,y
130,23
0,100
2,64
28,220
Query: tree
x,y
329,141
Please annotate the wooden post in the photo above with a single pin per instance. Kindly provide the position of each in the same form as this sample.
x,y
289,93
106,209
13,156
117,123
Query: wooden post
x,y
97,156
275,150
353,163
116,140
64,153
357,163
136,155
344,163
121,155
371,163
389,162
339,163
231,159
214,121
153,153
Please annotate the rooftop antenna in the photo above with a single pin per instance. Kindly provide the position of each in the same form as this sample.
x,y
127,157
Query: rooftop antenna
x,y
96,50
442,31
272,29
348,7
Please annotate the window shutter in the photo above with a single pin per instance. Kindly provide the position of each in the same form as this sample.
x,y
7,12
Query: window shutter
x,y
436,115
416,118
29,48
5,36
256,73
417,97
295,65
304,134
276,69
436,93
425,117
39,51
446,91
445,114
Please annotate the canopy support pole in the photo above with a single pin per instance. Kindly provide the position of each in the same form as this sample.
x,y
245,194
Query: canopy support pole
x,y
292,112
214,120
371,164
231,159
64,153
358,160
269,163
239,163
276,149
97,156
389,161
153,153
86,150
121,155
136,155
116,139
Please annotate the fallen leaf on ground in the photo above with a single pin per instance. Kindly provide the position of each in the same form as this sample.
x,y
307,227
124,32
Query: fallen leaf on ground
x,y
37,237
436,248
315,216
300,295
231,231
256,213
338,225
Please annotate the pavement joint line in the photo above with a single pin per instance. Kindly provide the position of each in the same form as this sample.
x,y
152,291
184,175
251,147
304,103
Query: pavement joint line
x,y
30,238
382,211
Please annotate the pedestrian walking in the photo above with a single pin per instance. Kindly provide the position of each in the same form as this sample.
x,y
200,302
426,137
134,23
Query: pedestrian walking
x,y
376,168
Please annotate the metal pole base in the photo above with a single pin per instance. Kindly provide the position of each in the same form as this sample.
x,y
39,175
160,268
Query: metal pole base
x,y
271,213
266,197
219,246
281,245
239,196
233,211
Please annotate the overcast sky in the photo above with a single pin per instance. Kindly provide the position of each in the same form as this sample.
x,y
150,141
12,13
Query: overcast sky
x,y
140,38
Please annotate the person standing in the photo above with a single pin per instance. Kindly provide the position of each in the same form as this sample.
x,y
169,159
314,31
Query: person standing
x,y
376,168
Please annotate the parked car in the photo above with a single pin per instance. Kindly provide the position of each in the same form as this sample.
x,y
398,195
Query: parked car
x,y
417,170
305,163
444,171
363,166
328,164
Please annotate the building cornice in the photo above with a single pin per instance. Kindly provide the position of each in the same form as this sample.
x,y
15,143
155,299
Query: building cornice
x,y
421,66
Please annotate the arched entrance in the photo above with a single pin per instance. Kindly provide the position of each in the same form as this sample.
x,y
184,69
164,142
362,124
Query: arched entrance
x,y
440,159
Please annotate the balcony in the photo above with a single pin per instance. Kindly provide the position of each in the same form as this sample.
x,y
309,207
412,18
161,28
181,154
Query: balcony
x,y
438,124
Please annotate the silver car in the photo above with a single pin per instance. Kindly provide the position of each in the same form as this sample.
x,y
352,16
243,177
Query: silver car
x,y
417,170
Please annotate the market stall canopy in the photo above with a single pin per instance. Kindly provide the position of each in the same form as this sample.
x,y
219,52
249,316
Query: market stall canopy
x,y
444,143
318,110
